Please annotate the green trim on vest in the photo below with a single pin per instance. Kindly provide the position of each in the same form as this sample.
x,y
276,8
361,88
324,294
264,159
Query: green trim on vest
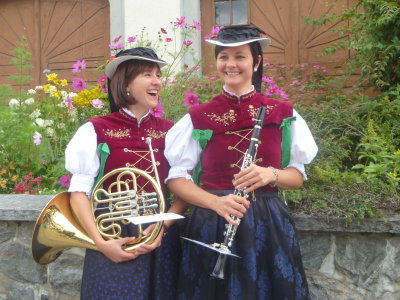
x,y
286,140
104,151
203,136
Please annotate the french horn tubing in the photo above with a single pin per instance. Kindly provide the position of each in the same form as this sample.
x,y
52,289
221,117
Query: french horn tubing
x,y
57,228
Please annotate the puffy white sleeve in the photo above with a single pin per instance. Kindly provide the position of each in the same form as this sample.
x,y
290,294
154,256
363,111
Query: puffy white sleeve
x,y
82,160
181,150
304,148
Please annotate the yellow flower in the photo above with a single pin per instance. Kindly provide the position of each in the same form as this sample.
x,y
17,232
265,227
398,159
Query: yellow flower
x,y
85,97
63,82
2,171
52,77
3,183
397,152
394,175
14,178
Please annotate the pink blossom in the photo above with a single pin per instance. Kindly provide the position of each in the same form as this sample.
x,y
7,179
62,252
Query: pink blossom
x,y
97,103
187,43
78,84
116,47
180,22
131,39
79,66
214,32
117,39
65,180
19,187
157,111
168,40
37,138
163,31
268,79
272,90
197,25
191,99
283,95
317,67
102,81
68,101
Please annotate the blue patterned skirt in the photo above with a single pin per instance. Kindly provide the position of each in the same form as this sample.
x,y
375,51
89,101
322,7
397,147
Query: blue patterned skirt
x,y
269,267
150,276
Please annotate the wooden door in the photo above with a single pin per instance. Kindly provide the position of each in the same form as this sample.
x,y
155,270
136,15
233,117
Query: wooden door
x,y
293,41
58,33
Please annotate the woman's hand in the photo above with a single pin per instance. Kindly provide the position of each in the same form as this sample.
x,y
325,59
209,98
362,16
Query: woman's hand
x,y
146,248
231,205
113,249
253,177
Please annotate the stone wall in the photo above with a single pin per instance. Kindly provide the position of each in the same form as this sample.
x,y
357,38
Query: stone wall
x,y
361,261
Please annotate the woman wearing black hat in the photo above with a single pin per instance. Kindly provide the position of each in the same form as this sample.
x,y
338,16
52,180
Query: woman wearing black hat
x,y
270,265
150,272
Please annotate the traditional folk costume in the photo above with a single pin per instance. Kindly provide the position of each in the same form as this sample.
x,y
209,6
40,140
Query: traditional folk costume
x,y
216,135
152,275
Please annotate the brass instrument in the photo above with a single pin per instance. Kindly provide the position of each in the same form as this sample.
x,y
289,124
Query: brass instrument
x,y
57,228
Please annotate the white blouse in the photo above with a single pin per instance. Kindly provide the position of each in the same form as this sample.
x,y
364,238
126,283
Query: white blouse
x,y
183,152
81,158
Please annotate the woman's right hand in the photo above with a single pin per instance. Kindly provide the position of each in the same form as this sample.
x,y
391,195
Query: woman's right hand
x,y
231,205
113,249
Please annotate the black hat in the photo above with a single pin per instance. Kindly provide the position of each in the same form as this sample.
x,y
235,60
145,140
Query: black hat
x,y
233,36
140,53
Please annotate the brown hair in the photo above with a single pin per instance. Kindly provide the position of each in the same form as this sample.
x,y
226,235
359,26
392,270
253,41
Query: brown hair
x,y
125,73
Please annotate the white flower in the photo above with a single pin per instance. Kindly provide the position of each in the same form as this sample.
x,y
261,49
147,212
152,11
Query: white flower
x,y
35,114
61,125
29,101
39,87
49,131
52,89
64,94
13,103
31,92
43,123
72,95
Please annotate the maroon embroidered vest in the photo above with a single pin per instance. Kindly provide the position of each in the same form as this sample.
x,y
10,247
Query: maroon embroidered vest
x,y
128,148
231,120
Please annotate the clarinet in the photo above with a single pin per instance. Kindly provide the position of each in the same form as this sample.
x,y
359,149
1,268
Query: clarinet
x,y
230,232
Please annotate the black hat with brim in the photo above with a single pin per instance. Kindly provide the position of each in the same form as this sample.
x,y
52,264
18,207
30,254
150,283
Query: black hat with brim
x,y
139,53
233,36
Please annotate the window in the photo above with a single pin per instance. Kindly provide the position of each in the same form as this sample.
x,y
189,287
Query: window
x,y
231,12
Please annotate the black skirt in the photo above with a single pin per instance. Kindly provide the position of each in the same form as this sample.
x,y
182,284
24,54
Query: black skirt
x,y
269,267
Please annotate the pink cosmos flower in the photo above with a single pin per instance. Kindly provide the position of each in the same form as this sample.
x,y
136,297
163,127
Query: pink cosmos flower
x,y
191,99
157,111
116,47
180,22
168,40
283,95
37,138
97,103
268,79
102,81
79,66
68,101
131,39
65,180
78,84
117,39
187,43
214,32
272,90
197,25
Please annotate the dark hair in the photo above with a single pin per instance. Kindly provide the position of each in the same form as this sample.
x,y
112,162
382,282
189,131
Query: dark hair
x,y
125,73
255,49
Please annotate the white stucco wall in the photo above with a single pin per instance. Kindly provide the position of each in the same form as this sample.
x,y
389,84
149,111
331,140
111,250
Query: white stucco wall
x,y
128,17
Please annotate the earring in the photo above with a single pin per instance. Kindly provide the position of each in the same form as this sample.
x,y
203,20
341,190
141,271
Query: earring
x,y
128,93
255,69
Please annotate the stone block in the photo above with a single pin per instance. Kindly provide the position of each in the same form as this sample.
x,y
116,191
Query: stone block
x,y
65,273
7,230
314,248
16,262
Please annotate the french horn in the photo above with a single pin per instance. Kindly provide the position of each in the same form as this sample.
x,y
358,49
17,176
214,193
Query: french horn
x,y
134,193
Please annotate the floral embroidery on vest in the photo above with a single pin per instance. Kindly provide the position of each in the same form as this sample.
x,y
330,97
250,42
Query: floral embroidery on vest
x,y
119,133
155,134
225,119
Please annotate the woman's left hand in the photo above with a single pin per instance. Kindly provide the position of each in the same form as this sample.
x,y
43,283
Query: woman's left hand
x,y
146,248
253,177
